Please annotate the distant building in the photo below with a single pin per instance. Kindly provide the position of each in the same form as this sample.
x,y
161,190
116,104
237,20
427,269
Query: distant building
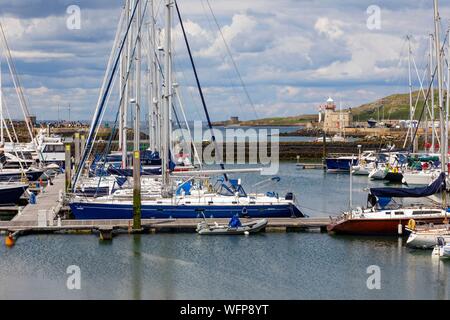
x,y
32,120
234,120
334,120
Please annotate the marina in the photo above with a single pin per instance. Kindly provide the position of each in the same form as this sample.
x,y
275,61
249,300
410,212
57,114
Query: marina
x,y
144,191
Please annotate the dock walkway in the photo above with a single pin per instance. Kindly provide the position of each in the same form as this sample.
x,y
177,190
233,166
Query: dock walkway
x,y
161,225
47,206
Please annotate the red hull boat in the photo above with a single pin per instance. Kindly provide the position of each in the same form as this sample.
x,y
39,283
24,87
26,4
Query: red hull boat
x,y
388,227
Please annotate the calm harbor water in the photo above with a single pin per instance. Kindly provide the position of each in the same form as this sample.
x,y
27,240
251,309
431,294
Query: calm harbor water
x,y
265,266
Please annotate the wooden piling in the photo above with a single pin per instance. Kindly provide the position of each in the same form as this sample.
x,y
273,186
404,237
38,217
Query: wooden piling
x,y
106,233
76,141
83,142
137,190
68,166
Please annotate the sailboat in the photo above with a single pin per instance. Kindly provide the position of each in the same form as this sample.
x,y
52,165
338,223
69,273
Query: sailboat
x,y
385,216
192,198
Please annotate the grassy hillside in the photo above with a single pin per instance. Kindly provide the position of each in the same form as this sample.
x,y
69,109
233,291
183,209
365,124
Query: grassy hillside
x,y
393,107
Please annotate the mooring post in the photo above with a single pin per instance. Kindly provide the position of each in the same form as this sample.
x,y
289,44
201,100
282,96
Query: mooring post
x,y
324,151
83,142
137,190
68,167
76,141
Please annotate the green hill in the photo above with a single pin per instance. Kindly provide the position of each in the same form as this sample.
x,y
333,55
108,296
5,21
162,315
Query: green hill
x,y
393,107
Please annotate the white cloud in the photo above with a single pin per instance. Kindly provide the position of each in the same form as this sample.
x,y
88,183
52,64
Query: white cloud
x,y
330,28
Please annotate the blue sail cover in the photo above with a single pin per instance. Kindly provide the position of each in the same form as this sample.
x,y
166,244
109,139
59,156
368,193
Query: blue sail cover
x,y
437,186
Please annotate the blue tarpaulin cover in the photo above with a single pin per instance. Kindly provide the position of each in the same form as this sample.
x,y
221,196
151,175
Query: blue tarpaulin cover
x,y
235,222
437,186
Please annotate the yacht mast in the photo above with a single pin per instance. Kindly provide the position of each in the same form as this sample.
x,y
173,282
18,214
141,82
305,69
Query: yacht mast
x,y
2,137
433,128
154,73
440,100
127,53
149,86
123,71
447,98
165,146
411,113
137,124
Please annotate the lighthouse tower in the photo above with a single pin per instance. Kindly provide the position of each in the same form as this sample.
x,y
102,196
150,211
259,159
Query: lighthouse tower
x,y
335,120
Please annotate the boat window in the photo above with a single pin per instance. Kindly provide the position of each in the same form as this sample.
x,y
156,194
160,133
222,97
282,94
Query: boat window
x,y
388,212
426,212
54,148
398,213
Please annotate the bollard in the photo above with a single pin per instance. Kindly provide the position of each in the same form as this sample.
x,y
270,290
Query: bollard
x,y
9,240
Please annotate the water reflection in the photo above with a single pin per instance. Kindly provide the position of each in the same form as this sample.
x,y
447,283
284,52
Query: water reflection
x,y
168,269
137,268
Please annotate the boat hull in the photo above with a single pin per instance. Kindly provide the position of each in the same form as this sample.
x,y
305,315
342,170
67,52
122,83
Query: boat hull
x,y
376,226
11,195
425,241
98,211
395,177
337,164
15,177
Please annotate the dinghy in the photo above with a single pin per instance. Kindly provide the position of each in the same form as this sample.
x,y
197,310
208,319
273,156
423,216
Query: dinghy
x,y
442,249
204,228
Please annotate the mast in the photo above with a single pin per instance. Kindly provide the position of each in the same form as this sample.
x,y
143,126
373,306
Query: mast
x,y
447,100
122,71
137,131
433,129
411,113
154,74
127,53
165,150
149,86
2,137
440,101
159,99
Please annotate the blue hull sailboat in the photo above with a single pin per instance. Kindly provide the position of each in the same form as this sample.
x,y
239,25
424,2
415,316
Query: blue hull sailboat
x,y
11,193
164,196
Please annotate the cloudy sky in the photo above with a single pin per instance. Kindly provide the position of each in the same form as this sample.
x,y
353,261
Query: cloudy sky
x,y
291,54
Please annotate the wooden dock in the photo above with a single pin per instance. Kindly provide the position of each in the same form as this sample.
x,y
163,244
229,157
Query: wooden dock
x,y
311,166
48,204
156,225
42,218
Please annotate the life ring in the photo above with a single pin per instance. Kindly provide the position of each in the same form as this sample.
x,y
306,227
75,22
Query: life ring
x,y
412,224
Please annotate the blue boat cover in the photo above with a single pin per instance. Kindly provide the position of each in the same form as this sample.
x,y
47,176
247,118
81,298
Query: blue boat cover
x,y
437,186
186,187
235,222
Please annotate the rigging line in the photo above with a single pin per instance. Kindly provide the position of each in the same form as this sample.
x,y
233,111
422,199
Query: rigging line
x,y
223,57
232,59
213,137
14,131
17,84
177,69
89,142
423,108
124,86
129,69
12,123
173,106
